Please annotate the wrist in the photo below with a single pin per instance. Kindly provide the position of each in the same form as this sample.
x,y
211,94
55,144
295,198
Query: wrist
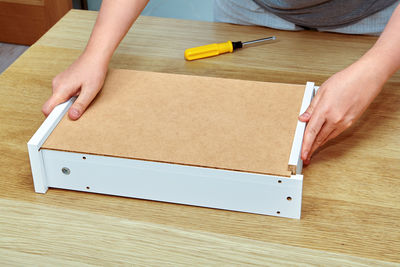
x,y
373,68
379,63
94,58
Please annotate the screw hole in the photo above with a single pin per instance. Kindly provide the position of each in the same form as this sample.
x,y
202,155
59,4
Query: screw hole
x,y
83,157
279,181
65,171
278,212
87,187
289,198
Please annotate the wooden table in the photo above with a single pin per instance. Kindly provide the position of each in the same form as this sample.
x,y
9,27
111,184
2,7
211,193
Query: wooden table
x,y
351,207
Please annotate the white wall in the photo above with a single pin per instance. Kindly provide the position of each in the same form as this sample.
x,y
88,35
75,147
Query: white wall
x,y
182,9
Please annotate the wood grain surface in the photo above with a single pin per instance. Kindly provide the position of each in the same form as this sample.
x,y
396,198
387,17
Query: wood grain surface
x,y
351,209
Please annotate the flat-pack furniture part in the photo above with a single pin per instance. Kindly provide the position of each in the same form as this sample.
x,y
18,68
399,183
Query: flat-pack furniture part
x,y
180,139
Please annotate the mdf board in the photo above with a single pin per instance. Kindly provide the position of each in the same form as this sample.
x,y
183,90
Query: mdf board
x,y
25,21
212,142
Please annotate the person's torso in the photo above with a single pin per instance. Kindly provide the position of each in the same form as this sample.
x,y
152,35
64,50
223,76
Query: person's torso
x,y
345,16
323,13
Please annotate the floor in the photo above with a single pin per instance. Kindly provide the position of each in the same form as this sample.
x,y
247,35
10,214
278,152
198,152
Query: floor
x,y
9,53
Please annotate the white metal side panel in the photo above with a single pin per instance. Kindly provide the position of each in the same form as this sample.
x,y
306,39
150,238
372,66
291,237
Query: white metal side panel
x,y
295,159
206,187
37,140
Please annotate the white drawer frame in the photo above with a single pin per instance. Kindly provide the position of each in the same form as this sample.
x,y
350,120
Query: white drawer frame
x,y
198,186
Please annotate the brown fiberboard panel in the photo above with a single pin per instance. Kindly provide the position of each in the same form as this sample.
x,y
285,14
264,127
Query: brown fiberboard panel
x,y
190,120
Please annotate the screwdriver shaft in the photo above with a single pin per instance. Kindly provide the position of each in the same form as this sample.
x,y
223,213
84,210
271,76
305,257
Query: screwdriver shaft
x,y
260,40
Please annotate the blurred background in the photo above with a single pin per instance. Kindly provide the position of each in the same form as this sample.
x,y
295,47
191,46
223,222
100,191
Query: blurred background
x,y
182,9
23,22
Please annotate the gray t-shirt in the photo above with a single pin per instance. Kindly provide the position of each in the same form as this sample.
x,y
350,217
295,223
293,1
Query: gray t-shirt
x,y
344,16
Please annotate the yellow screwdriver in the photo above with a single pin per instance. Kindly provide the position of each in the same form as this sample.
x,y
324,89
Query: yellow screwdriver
x,y
221,48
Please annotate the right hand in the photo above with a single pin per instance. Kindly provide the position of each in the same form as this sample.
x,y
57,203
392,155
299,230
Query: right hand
x,y
84,78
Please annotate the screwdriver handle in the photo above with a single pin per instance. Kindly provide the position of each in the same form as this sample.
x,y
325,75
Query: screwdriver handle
x,y
208,50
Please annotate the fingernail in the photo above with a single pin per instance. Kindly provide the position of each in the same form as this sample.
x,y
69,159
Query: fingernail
x,y
75,113
305,115
305,155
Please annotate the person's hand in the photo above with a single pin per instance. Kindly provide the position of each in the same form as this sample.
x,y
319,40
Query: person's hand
x,y
84,78
339,102
86,75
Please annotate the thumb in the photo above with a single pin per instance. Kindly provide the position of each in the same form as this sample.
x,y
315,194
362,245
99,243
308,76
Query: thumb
x,y
305,117
81,103
57,98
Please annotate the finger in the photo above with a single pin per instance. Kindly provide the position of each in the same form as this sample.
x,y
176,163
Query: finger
x,y
58,97
313,128
325,131
306,116
332,135
81,103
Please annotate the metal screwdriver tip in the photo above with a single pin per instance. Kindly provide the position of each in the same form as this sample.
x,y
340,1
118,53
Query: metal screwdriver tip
x,y
272,38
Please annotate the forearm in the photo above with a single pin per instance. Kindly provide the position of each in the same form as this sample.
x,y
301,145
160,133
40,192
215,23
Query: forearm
x,y
384,56
342,98
113,22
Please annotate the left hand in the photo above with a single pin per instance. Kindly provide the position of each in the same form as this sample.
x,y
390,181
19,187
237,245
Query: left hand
x,y
339,102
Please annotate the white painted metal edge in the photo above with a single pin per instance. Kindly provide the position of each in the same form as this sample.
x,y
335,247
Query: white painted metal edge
x,y
295,163
37,140
196,186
